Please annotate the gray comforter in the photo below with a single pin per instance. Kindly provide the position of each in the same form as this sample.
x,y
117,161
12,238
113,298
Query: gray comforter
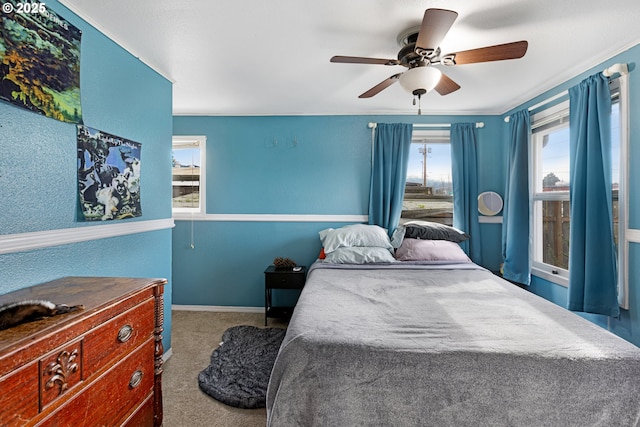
x,y
445,346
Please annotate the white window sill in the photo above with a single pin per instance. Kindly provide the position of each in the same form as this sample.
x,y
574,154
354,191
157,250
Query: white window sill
x,y
549,276
188,215
482,219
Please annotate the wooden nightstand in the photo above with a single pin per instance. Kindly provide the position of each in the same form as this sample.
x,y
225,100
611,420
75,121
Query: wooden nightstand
x,y
281,279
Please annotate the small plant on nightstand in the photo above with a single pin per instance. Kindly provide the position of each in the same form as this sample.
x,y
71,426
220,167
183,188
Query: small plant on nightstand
x,y
284,263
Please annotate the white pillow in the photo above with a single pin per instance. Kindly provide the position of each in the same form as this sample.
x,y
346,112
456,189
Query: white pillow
x,y
359,255
430,250
355,235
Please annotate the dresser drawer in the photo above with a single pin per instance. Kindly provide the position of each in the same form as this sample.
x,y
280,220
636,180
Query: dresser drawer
x,y
60,371
108,343
116,394
19,396
143,416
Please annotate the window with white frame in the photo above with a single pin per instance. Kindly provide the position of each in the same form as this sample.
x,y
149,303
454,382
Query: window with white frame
x,y
551,184
550,145
188,174
428,192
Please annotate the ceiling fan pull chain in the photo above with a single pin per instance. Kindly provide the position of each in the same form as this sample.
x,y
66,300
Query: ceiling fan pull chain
x,y
414,100
419,105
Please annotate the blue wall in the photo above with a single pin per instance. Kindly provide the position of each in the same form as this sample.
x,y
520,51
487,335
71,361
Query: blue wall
x,y
38,172
303,165
628,326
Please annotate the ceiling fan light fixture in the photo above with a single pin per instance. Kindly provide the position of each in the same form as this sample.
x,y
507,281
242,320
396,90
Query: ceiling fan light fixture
x,y
420,78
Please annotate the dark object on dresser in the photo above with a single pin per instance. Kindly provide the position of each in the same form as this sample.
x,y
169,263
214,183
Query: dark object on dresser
x,y
17,313
240,368
98,366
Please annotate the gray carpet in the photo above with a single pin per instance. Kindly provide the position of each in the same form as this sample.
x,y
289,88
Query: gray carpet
x,y
194,335
240,367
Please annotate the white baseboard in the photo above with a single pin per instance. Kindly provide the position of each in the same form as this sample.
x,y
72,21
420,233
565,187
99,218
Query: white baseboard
x,y
217,308
167,354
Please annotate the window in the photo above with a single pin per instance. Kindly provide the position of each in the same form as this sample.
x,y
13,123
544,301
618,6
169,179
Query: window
x,y
428,192
620,147
550,143
188,174
551,183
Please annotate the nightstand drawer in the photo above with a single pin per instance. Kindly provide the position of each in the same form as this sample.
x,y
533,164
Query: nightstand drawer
x,y
285,280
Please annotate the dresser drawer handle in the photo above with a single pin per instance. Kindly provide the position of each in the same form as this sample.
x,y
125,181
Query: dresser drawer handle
x,y
136,379
125,333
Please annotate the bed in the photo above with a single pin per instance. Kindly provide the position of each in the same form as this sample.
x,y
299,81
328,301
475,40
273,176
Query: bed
x,y
423,343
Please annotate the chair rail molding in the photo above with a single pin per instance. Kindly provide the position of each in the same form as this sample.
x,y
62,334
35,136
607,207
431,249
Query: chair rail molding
x,y
22,242
271,217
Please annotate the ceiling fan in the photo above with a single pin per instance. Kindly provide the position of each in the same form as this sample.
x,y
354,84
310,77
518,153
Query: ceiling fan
x,y
420,50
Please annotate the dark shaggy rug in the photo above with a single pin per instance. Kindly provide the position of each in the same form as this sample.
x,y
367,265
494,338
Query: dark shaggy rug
x,y
240,368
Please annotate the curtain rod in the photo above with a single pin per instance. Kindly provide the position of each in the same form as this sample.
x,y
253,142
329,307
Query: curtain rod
x,y
619,68
372,125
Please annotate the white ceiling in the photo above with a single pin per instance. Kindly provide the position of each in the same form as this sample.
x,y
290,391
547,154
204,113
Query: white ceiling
x,y
271,57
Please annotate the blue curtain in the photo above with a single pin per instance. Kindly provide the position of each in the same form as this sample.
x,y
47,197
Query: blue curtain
x,y
592,255
464,165
389,173
517,202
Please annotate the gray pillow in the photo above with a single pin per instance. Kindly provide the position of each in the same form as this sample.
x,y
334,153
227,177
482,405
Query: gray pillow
x,y
426,230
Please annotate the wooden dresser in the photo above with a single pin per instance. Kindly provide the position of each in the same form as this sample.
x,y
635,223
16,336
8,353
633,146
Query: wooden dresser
x,y
101,366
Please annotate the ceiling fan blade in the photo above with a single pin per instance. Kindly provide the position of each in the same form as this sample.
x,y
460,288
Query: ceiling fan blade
x,y
498,52
380,86
435,25
445,86
361,60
